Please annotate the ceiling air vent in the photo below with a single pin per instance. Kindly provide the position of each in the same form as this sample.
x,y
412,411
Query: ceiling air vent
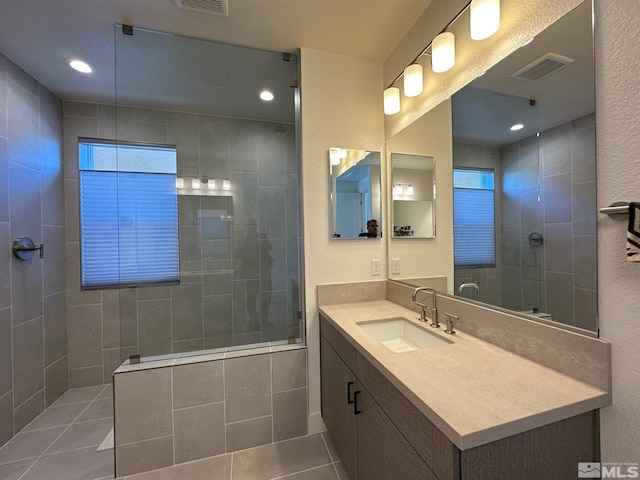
x,y
542,67
216,7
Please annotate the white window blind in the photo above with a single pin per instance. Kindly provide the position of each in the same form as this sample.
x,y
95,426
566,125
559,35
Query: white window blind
x,y
128,215
474,218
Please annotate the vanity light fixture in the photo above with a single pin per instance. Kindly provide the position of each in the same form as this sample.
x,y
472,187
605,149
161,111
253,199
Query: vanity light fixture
x,y
443,55
413,81
391,101
179,182
226,185
211,184
516,127
195,183
397,190
266,95
409,190
79,65
485,18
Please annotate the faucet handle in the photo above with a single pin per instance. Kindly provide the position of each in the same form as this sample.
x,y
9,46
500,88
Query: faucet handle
x,y
450,318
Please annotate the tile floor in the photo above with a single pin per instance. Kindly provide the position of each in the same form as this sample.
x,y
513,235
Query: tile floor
x,y
61,444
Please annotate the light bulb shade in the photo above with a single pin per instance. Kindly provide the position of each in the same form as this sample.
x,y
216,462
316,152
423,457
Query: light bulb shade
x,y
195,183
391,101
179,182
485,18
443,52
397,190
226,185
211,184
409,189
413,82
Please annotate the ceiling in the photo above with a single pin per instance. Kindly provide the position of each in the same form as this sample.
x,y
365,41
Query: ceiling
x,y
39,35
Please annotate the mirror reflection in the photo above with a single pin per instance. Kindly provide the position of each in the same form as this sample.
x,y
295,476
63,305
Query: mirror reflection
x,y
413,190
356,201
524,171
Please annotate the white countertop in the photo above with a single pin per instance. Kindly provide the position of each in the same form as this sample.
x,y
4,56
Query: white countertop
x,y
472,390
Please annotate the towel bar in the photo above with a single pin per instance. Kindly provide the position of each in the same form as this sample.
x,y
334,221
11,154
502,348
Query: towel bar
x,y
618,208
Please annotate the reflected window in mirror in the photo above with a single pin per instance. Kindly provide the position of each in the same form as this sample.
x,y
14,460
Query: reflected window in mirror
x,y
413,193
474,236
356,202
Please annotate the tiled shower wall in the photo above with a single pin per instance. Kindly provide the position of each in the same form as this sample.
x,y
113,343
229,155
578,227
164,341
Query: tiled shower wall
x,y
237,247
558,277
205,409
33,327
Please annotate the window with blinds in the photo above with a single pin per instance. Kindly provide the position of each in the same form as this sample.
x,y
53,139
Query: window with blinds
x,y
128,215
474,241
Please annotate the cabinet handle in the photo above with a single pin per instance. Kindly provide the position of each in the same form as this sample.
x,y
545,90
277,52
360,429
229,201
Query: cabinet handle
x,y
349,401
355,403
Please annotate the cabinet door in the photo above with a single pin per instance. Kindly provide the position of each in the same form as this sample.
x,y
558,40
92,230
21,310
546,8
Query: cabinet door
x,y
338,387
383,452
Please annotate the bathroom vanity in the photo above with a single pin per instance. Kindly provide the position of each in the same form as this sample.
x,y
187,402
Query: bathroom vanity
x,y
463,409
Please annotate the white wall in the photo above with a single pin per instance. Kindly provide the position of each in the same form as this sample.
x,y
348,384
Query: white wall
x,y
618,147
341,107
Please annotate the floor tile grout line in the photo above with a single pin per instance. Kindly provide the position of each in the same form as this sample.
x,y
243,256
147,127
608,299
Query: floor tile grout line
x,y
58,437
288,475
333,462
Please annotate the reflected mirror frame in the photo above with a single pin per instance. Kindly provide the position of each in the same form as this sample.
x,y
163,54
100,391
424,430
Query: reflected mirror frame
x,y
357,213
405,232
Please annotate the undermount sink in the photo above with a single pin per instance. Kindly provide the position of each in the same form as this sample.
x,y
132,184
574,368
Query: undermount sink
x,y
400,335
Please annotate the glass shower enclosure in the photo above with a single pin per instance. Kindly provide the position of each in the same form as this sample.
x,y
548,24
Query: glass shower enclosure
x,y
237,233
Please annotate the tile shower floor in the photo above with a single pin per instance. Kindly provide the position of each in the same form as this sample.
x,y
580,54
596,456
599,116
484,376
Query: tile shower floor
x,y
62,442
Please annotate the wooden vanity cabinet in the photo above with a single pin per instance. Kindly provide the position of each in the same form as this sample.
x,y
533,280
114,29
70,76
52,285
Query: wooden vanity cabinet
x,y
369,444
391,438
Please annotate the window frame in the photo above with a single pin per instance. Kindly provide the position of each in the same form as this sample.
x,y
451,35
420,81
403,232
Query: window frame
x,y
121,143
493,217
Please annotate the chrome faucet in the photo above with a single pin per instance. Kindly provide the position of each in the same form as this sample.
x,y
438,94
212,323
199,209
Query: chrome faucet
x,y
469,285
434,310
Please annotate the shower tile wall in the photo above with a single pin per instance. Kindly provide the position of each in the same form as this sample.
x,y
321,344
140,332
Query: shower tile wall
x,y
237,247
567,158
208,408
33,326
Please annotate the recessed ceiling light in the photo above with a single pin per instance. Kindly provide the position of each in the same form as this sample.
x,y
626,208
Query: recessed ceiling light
x,y
517,126
79,65
266,95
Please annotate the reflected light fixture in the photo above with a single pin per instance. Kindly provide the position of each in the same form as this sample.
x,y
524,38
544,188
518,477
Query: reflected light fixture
x,y
391,101
79,65
443,55
266,95
413,82
195,183
409,190
517,126
226,185
179,182
485,18
334,156
211,184
397,190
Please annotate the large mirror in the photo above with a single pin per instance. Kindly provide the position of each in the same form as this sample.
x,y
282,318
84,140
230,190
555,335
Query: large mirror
x,y
524,196
414,203
356,200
